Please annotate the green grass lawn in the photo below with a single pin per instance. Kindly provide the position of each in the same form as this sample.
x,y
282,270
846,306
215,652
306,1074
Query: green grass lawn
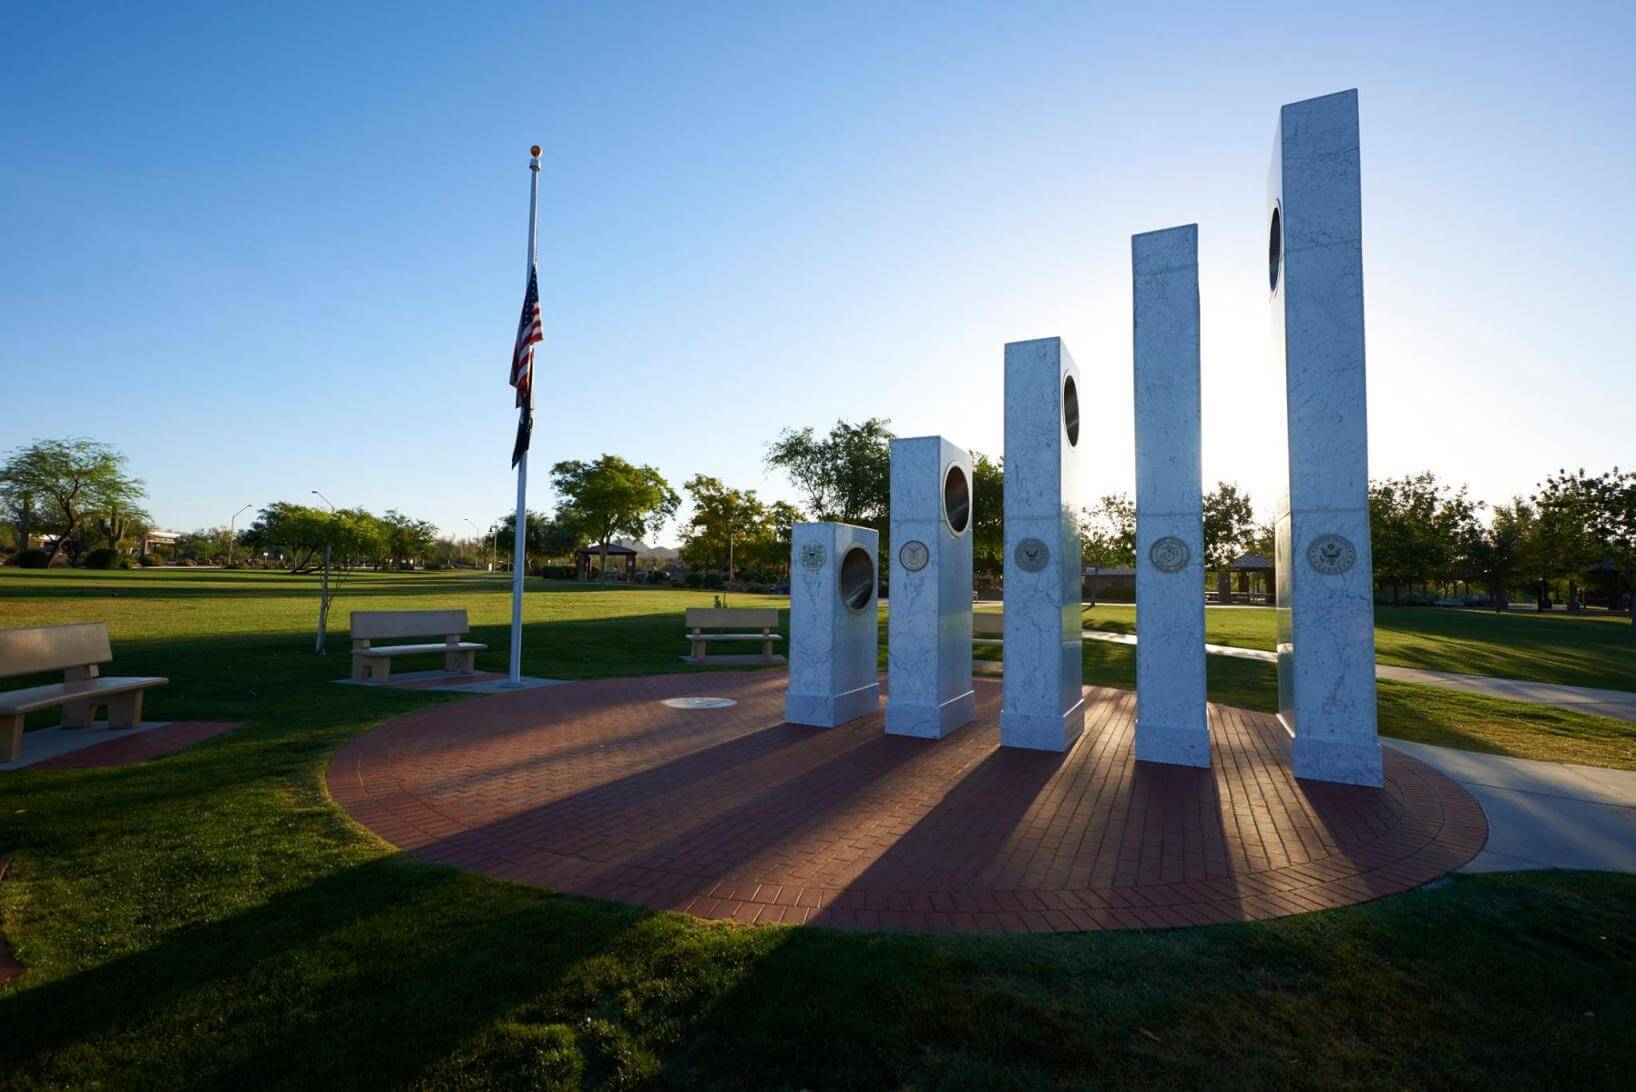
x,y
1596,650
211,919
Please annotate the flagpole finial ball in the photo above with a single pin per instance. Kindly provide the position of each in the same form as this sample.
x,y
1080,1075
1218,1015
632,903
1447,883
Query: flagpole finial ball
x,y
534,150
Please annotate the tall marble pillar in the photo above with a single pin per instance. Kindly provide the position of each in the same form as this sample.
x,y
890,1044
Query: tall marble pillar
x,y
1326,618
833,624
1044,705
928,692
1171,722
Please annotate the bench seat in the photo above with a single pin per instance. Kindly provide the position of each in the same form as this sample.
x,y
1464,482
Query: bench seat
x,y
737,637
420,650
18,702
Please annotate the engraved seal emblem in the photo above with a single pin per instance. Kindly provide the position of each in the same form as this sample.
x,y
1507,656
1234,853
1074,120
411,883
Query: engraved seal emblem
x,y
914,555
1169,555
1032,555
812,557
1331,554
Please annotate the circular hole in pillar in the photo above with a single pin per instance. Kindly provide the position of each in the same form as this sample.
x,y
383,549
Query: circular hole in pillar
x,y
1070,410
956,498
857,578
1275,249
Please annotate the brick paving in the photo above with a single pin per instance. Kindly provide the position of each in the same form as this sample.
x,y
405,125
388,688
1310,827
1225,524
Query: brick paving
x,y
599,789
138,747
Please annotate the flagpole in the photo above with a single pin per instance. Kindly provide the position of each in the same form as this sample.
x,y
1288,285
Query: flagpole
x,y
518,564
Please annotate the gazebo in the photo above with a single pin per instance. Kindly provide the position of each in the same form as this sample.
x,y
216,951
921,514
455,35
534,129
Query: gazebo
x,y
1243,567
586,555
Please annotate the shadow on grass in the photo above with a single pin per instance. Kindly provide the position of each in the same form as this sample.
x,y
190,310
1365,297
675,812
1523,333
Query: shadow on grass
x,y
393,945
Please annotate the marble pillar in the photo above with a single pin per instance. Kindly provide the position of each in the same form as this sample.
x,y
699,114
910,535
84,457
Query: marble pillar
x,y
833,620
1326,634
1044,706
928,692
1171,722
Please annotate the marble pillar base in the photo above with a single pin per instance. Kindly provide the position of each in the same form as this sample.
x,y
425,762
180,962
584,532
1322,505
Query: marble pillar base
x,y
1174,746
923,720
830,710
1348,763
1043,733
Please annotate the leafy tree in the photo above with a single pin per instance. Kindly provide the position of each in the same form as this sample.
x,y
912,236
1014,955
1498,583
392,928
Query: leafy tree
x,y
612,498
1415,526
846,475
296,531
543,537
723,519
1612,509
67,481
1107,532
987,513
780,524
1495,553
1562,543
1228,517
406,540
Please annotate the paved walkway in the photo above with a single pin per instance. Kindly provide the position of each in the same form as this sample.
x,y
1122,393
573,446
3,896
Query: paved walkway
x,y
1543,814
603,789
1619,704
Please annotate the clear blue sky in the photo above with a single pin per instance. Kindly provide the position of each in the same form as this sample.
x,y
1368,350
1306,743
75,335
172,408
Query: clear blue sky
x,y
272,248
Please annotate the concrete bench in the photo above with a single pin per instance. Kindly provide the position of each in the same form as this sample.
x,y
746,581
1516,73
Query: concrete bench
x,y
76,651
762,620
987,627
373,663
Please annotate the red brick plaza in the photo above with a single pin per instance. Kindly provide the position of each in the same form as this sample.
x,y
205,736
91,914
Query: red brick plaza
x,y
599,788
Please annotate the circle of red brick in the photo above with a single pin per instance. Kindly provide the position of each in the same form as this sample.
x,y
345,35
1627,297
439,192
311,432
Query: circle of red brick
x,y
598,788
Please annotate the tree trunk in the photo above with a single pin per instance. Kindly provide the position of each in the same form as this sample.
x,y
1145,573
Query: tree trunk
x,y
57,545
1573,597
602,577
1224,586
323,605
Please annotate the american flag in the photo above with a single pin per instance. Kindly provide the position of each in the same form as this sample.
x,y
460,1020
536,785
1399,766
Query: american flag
x,y
529,334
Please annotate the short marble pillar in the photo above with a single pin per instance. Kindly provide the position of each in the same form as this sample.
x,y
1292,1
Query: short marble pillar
x,y
1171,722
1044,704
1326,616
928,692
833,624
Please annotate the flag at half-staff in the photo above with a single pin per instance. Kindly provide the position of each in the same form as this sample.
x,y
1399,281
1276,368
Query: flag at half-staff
x,y
529,335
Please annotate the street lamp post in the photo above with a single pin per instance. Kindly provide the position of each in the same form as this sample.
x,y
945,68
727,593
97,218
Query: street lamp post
x,y
474,527
231,521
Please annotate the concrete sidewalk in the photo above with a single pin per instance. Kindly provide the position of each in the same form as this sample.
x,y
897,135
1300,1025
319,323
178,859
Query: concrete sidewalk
x,y
1619,704
1542,814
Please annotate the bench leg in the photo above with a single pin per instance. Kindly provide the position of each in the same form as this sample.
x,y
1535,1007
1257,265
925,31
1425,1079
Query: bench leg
x,y
462,663
79,714
698,651
380,670
766,648
11,738
125,710
360,669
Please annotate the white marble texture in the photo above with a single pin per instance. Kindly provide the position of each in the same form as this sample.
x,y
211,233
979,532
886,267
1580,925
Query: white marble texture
x,y
1043,707
833,678
1172,725
1326,646
929,691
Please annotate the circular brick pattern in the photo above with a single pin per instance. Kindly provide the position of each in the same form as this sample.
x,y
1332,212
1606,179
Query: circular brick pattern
x,y
599,788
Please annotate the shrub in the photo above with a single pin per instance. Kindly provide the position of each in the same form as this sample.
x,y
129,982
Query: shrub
x,y
713,580
693,580
103,558
31,559
149,559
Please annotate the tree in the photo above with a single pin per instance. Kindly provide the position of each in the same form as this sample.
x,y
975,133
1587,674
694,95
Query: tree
x,y
296,531
543,536
1562,543
1612,510
611,498
351,538
1495,553
722,519
68,480
987,513
1416,524
1107,532
780,524
846,475
406,540
1228,518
